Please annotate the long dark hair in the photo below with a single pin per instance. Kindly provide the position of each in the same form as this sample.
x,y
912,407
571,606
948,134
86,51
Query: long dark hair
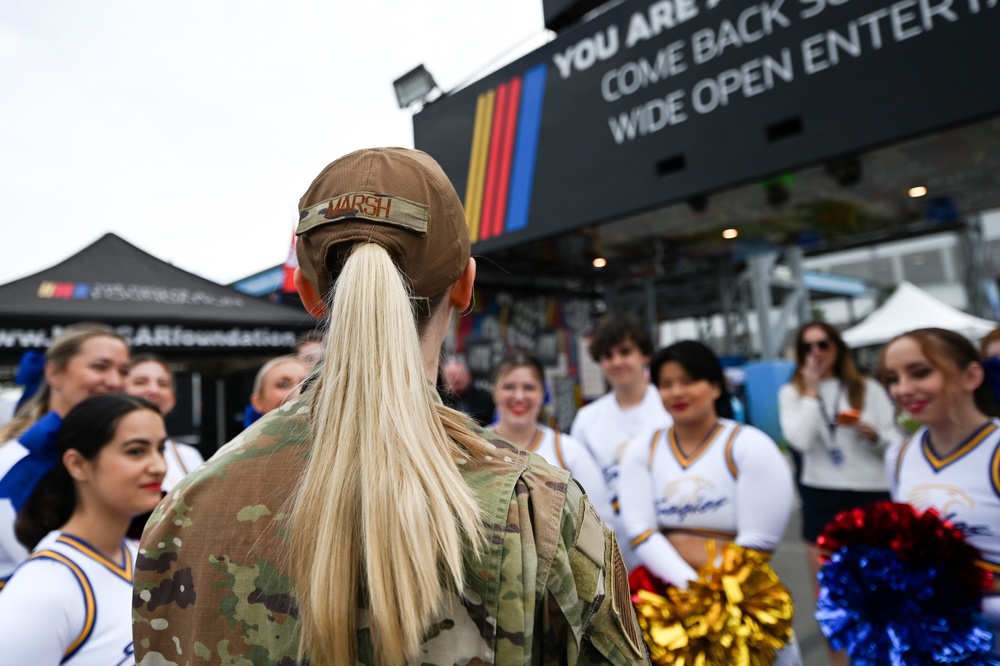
x,y
843,366
949,352
699,362
87,428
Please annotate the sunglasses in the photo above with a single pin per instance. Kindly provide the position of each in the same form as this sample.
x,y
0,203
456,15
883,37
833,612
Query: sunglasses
x,y
806,347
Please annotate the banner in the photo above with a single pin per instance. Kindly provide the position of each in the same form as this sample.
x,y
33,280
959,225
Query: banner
x,y
652,103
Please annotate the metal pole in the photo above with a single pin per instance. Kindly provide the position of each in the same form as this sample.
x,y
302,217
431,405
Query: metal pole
x,y
760,284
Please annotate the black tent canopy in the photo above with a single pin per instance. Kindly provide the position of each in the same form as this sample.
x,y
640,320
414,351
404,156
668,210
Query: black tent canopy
x,y
154,305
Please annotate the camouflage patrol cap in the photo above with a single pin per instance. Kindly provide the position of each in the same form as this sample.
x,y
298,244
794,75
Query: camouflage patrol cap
x,y
398,198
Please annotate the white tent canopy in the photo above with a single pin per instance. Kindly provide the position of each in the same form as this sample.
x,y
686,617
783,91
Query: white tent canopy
x,y
908,308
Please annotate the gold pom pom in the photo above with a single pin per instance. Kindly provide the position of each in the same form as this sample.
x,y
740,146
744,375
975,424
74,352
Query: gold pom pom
x,y
736,614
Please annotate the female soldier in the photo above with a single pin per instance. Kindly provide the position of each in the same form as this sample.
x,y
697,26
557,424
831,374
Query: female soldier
x,y
84,360
950,464
519,391
71,602
704,478
364,522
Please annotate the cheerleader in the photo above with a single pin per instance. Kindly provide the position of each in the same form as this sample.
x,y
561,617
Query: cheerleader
x,y
705,478
952,463
84,360
150,377
71,601
519,391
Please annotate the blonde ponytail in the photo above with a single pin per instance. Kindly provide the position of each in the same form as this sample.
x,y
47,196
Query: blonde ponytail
x,y
382,510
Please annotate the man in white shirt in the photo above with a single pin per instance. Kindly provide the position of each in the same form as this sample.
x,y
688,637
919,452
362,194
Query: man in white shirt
x,y
622,347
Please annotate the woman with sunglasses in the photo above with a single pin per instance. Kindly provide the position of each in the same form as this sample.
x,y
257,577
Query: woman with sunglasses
x,y
841,423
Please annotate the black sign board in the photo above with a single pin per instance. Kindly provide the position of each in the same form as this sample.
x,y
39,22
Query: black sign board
x,y
656,102
560,13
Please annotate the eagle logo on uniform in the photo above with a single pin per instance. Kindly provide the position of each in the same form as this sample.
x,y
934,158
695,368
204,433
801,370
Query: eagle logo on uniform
x,y
687,496
944,498
687,490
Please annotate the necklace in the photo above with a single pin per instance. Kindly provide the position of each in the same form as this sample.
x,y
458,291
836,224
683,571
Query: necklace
x,y
701,445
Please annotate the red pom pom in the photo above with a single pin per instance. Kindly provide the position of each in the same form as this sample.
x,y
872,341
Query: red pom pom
x,y
642,578
917,539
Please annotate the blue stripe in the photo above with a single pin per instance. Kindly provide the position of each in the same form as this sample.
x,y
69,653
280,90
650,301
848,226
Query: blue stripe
x,y
526,148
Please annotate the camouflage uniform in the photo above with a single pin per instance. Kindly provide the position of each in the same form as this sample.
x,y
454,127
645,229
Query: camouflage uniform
x,y
212,582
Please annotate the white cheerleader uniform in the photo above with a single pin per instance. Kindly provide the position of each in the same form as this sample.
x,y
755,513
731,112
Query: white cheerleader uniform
x,y
182,459
563,451
737,487
69,604
606,429
964,487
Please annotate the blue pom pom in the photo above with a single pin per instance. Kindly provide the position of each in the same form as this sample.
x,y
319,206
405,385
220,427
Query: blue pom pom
x,y
882,612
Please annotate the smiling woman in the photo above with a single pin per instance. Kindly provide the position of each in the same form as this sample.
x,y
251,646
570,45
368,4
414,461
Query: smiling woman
x,y
84,360
704,481
71,601
951,463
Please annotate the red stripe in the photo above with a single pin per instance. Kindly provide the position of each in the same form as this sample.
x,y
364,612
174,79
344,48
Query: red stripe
x,y
493,168
510,130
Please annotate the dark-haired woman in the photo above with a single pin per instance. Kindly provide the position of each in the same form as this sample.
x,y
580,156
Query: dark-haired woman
x,y
71,601
841,422
951,463
704,478
84,360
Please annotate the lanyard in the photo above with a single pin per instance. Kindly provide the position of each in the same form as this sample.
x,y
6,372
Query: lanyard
x,y
830,417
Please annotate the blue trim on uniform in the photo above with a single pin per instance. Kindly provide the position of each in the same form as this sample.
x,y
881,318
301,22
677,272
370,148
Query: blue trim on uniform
x,y
970,443
89,600
123,571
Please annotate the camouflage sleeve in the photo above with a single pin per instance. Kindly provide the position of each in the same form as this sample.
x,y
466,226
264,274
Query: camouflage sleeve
x,y
587,601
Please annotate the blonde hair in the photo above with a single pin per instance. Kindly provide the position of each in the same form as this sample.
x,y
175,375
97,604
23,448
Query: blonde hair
x,y
382,509
58,355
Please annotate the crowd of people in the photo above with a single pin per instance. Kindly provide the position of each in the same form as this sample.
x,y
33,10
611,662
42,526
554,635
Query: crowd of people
x,y
382,509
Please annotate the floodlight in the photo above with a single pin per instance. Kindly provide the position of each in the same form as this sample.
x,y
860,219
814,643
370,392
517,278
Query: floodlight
x,y
414,86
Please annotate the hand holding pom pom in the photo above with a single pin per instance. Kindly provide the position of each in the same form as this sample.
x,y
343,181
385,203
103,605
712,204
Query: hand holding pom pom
x,y
736,613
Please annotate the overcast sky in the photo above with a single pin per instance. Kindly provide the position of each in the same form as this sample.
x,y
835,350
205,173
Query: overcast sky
x,y
191,128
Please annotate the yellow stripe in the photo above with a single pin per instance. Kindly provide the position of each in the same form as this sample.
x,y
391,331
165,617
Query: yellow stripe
x,y
989,566
995,470
88,596
559,454
536,441
652,447
477,162
729,453
968,446
84,548
639,540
